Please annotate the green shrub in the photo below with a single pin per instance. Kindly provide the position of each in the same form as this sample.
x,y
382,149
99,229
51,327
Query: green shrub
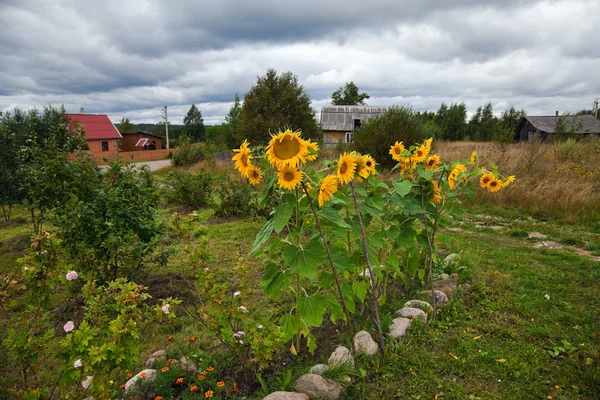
x,y
378,134
236,200
188,190
189,154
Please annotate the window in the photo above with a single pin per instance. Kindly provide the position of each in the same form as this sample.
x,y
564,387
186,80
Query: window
x,y
348,137
356,124
104,146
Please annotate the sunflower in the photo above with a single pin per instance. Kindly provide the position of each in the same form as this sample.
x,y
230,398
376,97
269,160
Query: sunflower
x,y
508,181
473,158
432,162
485,180
495,185
420,154
428,146
436,196
407,164
396,150
312,146
346,168
361,168
254,175
454,174
242,158
289,178
370,164
287,149
327,189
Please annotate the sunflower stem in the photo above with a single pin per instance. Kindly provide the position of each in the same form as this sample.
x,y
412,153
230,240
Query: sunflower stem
x,y
331,264
298,230
430,245
375,315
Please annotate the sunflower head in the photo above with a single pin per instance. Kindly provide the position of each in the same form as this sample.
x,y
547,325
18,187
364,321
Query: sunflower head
x,y
313,149
396,151
242,158
485,180
432,162
287,149
453,175
346,168
361,167
289,178
370,164
473,158
508,181
495,185
436,192
420,154
254,175
327,189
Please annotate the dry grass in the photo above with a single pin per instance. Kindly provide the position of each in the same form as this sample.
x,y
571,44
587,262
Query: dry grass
x,y
558,179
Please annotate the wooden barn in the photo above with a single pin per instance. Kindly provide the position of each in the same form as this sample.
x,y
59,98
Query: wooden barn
x,y
338,122
140,141
543,127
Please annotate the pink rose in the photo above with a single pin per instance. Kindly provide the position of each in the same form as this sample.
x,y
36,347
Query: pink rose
x,y
77,364
87,383
69,326
165,308
71,275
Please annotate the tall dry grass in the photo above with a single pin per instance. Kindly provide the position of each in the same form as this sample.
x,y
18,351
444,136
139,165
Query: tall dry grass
x,y
559,179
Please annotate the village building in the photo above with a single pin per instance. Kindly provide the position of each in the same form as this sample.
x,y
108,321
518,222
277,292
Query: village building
x,y
544,127
140,141
338,122
101,135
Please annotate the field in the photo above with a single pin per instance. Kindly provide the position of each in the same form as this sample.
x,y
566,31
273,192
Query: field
x,y
528,327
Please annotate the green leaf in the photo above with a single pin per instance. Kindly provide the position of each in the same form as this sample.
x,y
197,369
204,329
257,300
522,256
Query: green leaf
x,y
290,324
402,188
311,343
305,261
326,279
332,215
312,310
266,192
348,297
413,262
412,207
425,174
282,216
341,259
372,181
274,279
360,289
335,308
262,236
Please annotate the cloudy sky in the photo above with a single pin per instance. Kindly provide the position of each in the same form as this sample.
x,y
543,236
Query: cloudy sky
x,y
128,58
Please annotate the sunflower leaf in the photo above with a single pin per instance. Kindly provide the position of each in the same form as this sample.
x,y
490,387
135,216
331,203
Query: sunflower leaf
x,y
305,261
312,310
274,279
402,188
262,236
332,215
282,216
290,324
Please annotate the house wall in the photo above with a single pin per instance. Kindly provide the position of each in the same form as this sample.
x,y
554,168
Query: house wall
x,y
96,147
128,142
332,138
528,132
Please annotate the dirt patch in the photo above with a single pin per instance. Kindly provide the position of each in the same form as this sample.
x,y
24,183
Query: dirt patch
x,y
171,284
15,245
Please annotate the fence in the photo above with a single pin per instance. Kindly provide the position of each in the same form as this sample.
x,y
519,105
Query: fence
x,y
145,155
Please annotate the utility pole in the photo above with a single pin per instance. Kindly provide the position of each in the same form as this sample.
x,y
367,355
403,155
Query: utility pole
x,y
166,118
595,107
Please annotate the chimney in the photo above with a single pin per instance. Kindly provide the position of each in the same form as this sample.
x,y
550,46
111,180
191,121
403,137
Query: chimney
x,y
81,111
556,113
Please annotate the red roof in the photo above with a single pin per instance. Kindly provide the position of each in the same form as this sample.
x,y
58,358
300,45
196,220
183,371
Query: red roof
x,y
96,126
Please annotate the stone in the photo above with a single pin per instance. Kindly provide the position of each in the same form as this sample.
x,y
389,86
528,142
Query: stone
x,y
399,327
448,291
445,276
188,365
420,304
150,376
495,227
363,342
451,258
452,283
286,396
340,356
412,313
318,369
160,355
465,286
315,386
440,297
536,235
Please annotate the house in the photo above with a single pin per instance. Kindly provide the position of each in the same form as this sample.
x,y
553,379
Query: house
x,y
101,135
338,122
543,127
140,141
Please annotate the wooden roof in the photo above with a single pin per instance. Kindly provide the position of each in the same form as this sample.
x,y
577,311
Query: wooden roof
x,y
583,123
341,118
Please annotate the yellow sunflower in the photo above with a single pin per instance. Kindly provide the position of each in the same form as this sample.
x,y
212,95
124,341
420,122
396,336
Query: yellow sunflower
x,y
436,196
312,146
473,158
428,146
420,154
370,164
396,151
254,175
242,158
346,168
485,180
508,181
432,162
495,185
327,189
289,177
407,165
361,168
287,149
454,174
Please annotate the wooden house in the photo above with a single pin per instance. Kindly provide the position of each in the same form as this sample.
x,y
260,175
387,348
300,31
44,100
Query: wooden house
x,y
544,127
338,122
140,141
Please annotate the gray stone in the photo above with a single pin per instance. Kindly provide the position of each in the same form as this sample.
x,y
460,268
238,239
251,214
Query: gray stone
x,y
451,257
318,369
363,342
412,313
286,396
495,227
423,305
340,356
445,276
399,327
149,376
160,355
536,235
188,365
317,387
440,297
450,282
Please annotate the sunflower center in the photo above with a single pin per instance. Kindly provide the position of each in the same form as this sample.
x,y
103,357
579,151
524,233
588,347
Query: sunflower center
x,y
244,159
255,174
288,176
419,153
494,183
343,168
369,164
287,148
486,179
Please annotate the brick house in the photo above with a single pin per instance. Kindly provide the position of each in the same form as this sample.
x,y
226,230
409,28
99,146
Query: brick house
x,y
101,135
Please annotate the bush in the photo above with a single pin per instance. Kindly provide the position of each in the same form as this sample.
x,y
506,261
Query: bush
x,y
236,200
377,134
189,154
192,191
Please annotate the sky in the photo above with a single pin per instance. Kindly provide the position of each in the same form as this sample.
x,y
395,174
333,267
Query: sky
x,y
129,58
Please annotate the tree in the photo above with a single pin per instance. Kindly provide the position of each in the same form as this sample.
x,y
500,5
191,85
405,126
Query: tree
x,y
349,96
274,103
452,121
483,124
232,121
125,125
193,125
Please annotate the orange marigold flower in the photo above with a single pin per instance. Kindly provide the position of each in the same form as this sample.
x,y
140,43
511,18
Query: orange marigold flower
x,y
208,394
122,387
165,369
129,375
179,381
185,339
220,384
235,389
193,340
142,374
201,377
210,369
170,360
194,388
170,338
158,398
